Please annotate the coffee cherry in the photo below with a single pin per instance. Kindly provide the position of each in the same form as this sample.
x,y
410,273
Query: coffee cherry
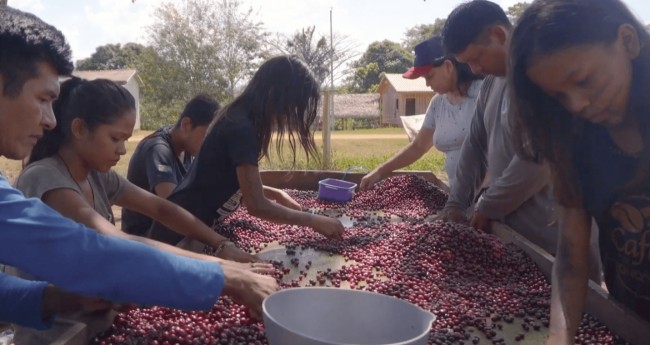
x,y
468,279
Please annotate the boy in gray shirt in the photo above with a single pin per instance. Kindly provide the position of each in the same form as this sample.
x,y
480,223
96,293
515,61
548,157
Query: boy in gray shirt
x,y
162,159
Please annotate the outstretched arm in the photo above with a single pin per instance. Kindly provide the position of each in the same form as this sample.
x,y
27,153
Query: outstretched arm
x,y
472,163
258,205
34,303
520,181
39,241
570,275
407,155
179,220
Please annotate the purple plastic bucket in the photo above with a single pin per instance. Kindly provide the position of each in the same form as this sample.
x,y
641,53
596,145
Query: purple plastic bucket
x,y
336,190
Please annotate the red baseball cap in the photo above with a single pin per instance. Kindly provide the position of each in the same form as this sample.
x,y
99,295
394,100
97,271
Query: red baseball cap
x,y
428,54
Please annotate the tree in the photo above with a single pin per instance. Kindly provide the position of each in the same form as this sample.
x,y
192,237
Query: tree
x,y
380,57
421,32
3,2
516,10
112,56
197,46
160,78
240,48
315,50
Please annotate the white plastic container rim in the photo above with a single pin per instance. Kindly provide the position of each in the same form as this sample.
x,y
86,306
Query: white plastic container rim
x,y
433,317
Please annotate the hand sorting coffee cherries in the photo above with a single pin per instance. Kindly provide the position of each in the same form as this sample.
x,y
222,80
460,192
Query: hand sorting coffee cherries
x,y
477,286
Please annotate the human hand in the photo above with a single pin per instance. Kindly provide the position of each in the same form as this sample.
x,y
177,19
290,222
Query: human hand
x,y
248,288
329,227
369,180
451,214
231,252
480,222
57,301
255,267
285,200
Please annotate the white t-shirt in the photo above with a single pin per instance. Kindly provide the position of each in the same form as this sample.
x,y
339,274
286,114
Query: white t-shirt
x,y
451,123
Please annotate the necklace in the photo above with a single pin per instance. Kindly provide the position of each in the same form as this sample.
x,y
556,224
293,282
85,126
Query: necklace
x,y
89,198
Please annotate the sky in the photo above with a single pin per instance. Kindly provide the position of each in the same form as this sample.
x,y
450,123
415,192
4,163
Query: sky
x,y
88,24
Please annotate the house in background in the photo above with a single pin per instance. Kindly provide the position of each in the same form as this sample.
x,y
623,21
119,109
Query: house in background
x,y
125,77
356,110
352,111
399,96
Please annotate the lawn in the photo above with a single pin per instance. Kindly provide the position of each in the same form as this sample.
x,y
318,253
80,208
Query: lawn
x,y
347,151
386,130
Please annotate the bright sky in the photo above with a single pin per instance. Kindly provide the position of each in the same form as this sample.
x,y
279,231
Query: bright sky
x,y
91,23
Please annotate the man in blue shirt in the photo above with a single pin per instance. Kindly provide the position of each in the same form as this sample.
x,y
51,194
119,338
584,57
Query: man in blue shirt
x,y
39,241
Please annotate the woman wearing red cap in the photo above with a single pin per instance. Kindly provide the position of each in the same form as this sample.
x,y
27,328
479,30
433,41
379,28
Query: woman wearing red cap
x,y
448,116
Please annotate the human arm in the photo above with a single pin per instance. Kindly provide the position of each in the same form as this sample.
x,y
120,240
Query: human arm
x,y
410,153
258,205
164,189
570,275
248,288
472,163
72,205
159,165
21,302
176,219
281,197
39,241
519,182
35,303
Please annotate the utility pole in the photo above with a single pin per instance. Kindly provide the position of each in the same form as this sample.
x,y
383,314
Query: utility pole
x,y
328,105
331,58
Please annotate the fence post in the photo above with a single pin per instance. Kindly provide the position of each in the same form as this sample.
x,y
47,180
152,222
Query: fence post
x,y
327,148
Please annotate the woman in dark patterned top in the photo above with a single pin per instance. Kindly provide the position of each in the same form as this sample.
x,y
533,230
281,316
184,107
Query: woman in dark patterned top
x,y
580,73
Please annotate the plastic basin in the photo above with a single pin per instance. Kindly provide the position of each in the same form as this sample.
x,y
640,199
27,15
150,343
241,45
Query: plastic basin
x,y
336,190
333,316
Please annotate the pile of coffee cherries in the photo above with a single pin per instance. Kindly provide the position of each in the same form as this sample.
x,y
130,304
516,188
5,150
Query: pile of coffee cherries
x,y
481,290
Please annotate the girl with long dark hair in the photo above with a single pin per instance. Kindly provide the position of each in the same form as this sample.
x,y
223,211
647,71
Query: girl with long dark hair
x,y
579,74
277,107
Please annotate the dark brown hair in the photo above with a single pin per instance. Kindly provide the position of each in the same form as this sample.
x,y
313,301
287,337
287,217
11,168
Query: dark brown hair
x,y
282,100
26,40
547,130
96,102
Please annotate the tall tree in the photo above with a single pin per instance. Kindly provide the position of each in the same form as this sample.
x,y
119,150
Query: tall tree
x,y
516,10
380,57
112,56
315,50
240,47
197,46
160,84
3,2
421,32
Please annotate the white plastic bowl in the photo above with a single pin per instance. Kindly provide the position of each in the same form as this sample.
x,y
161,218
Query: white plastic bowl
x,y
332,316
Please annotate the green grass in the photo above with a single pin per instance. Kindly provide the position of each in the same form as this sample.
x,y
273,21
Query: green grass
x,y
367,153
386,130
